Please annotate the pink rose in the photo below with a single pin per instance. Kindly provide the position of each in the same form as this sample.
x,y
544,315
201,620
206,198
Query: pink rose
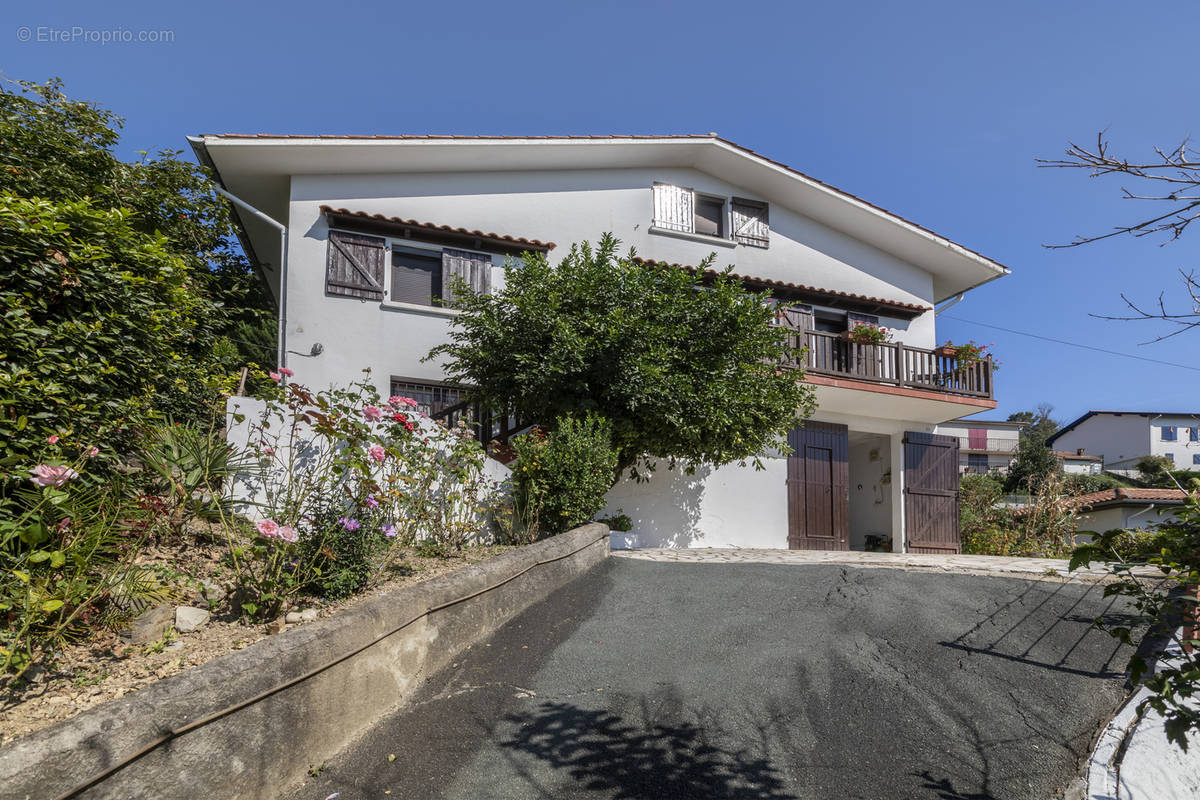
x,y
267,528
268,451
287,534
275,376
286,371
377,452
95,451
373,413
400,400
53,439
47,475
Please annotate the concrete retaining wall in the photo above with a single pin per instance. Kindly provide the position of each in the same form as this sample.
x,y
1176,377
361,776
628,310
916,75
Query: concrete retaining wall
x,y
257,752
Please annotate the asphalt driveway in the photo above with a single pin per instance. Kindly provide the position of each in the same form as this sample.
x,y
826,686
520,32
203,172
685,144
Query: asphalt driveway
x,y
653,680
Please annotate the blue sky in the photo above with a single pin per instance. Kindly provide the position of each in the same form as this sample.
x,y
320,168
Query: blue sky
x,y
933,110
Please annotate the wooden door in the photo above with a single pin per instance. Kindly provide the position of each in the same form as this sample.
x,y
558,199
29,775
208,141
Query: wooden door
x,y
931,493
818,487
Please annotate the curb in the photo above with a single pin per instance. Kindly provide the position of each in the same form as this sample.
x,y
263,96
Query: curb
x,y
249,724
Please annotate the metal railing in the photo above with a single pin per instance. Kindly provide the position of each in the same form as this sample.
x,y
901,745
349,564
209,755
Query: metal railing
x,y
488,426
988,445
893,363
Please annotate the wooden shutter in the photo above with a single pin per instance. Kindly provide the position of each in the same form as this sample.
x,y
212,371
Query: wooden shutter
x,y
818,487
750,222
354,266
931,493
674,207
474,268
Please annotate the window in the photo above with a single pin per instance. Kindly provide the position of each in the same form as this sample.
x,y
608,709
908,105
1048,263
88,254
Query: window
x,y
1170,457
829,321
416,277
1194,434
977,463
431,397
710,216
677,208
1168,433
1196,459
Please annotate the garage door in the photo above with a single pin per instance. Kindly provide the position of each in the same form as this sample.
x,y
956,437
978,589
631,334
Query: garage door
x,y
931,493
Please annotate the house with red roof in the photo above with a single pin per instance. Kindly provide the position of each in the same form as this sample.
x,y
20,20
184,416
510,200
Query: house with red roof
x,y
359,237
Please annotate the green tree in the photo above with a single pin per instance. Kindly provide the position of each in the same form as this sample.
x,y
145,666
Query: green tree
x,y
120,290
1040,424
684,369
1033,464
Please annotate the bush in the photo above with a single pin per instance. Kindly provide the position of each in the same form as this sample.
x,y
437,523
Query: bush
x,y
1043,529
560,478
1086,484
338,550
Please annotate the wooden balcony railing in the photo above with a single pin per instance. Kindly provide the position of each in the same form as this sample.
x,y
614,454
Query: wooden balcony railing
x,y
892,363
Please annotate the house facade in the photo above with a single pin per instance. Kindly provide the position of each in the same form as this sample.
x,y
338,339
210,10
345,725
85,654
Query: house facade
x,y
360,237
1122,438
985,446
1126,509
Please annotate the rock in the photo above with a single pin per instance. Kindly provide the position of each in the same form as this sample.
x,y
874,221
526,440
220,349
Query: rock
x,y
175,646
58,701
213,592
188,619
276,626
308,615
150,625
292,617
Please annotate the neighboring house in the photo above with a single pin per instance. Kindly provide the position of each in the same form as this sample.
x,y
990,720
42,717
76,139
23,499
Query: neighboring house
x,y
358,236
984,446
1122,438
1080,463
1111,509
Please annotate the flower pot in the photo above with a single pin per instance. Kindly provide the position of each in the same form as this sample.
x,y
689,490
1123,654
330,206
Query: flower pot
x,y
946,351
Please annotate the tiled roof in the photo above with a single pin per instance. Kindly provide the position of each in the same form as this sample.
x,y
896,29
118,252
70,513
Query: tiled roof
x,y
648,137
1085,501
1076,456
898,305
496,238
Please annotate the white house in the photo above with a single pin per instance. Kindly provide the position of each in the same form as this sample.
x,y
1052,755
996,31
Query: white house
x,y
985,446
1121,438
1079,462
1126,509
357,237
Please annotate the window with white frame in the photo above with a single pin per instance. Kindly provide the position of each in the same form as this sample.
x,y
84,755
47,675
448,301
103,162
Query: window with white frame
x,y
418,273
678,208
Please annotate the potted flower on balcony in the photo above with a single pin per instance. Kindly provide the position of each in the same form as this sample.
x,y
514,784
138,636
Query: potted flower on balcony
x,y
967,355
867,333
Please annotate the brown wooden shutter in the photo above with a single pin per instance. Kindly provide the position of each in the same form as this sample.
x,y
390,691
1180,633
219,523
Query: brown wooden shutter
x,y
750,222
354,266
674,207
474,268
931,493
818,487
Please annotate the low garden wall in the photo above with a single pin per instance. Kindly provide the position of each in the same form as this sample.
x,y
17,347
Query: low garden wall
x,y
250,724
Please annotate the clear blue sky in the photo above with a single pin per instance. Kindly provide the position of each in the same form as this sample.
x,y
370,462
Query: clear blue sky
x,y
934,110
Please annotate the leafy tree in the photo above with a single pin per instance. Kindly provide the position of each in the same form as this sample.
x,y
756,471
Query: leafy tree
x,y
1154,470
1041,425
684,369
121,293
1033,464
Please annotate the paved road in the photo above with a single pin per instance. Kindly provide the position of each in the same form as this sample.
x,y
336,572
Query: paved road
x,y
653,680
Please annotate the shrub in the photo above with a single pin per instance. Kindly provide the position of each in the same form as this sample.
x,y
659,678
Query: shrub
x,y
1085,484
1043,529
560,478
619,522
339,549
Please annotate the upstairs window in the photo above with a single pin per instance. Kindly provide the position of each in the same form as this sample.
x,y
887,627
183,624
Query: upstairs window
x,y
1170,457
416,277
1168,433
677,208
1194,434
1196,459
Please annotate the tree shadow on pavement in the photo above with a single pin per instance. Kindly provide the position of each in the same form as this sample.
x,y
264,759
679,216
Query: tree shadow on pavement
x,y
606,754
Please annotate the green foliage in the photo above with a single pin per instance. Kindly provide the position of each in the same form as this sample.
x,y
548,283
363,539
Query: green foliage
x,y
115,278
1175,683
1033,465
339,556
1155,470
1086,484
66,554
1041,425
619,522
1043,529
560,478
682,367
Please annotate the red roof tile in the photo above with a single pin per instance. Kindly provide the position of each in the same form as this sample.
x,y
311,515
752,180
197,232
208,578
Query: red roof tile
x,y
1084,501
798,287
497,238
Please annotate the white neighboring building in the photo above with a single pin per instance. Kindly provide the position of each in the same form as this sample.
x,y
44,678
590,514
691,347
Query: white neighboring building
x,y
367,230
1080,463
1121,438
985,446
1126,509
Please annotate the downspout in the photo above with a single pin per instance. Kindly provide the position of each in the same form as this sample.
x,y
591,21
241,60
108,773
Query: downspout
x,y
953,301
283,245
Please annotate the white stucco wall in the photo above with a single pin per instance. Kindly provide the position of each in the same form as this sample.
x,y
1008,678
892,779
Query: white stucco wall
x,y
1183,449
1116,438
559,206
1131,517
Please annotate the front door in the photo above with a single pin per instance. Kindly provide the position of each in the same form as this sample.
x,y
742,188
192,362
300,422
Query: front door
x,y
818,487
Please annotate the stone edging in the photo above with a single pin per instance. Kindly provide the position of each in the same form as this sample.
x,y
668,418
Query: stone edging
x,y
258,751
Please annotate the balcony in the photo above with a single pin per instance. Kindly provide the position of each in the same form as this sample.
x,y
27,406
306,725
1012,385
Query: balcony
x,y
893,364
967,444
